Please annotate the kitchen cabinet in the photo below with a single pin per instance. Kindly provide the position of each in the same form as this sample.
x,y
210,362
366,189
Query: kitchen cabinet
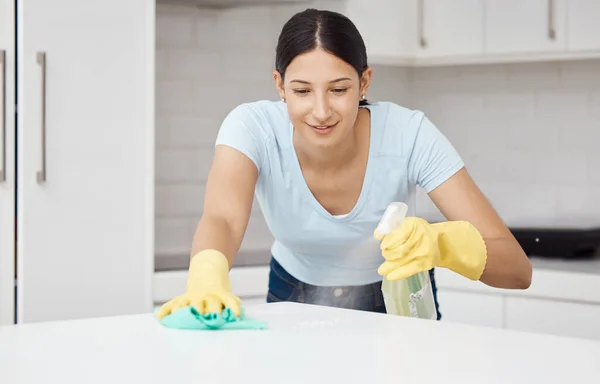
x,y
449,28
583,26
250,283
7,161
546,307
388,28
404,31
553,317
472,308
518,27
83,175
415,33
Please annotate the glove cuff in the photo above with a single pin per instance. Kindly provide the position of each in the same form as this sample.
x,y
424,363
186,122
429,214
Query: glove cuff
x,y
462,248
209,267
210,256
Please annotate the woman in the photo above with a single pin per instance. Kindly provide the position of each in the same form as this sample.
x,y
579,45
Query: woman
x,y
324,164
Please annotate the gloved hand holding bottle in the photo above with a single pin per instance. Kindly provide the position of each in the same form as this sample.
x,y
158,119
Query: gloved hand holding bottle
x,y
208,287
417,246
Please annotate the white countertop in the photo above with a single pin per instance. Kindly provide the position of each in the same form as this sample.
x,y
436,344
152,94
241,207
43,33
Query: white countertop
x,y
591,265
305,344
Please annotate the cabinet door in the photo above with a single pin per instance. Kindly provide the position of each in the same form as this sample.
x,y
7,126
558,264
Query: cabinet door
x,y
85,156
583,25
7,161
523,27
450,27
388,28
471,308
553,317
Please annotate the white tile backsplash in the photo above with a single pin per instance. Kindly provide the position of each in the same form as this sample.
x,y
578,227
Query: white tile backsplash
x,y
192,131
244,66
529,133
179,200
193,64
527,77
175,97
257,33
174,235
176,26
183,165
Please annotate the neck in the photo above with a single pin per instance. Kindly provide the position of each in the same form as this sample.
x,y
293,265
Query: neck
x,y
335,157
330,158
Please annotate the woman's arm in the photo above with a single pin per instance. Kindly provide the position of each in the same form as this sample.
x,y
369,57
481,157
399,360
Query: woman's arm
x,y
459,198
227,203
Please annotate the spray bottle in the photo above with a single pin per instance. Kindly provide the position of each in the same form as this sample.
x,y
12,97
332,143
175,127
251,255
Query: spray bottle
x,y
412,296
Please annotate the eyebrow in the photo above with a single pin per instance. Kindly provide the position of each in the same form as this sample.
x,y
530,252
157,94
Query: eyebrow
x,y
332,81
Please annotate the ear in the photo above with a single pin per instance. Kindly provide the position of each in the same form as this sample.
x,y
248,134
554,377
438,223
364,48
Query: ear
x,y
365,81
279,83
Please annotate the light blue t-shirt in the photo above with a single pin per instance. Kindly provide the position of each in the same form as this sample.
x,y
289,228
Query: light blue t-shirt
x,y
406,150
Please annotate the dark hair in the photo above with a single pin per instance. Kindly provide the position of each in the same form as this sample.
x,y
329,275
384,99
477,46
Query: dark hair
x,y
331,31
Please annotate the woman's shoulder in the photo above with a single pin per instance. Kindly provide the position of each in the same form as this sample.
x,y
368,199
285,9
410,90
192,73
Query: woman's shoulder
x,y
400,127
253,128
260,112
391,113
264,119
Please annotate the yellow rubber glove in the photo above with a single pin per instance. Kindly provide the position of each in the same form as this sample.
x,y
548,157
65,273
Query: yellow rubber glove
x,y
208,287
417,246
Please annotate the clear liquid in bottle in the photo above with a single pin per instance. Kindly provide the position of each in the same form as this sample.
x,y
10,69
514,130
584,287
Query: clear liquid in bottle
x,y
412,296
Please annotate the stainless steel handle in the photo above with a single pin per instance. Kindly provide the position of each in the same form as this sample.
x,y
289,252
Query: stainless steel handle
x,y
551,26
41,174
3,121
421,21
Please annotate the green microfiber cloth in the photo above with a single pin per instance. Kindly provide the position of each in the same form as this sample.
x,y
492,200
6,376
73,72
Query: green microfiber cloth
x,y
190,318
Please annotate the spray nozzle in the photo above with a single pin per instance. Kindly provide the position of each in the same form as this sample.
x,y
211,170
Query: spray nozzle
x,y
392,217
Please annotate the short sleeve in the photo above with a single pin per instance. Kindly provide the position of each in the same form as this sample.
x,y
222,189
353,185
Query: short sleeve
x,y
241,130
433,159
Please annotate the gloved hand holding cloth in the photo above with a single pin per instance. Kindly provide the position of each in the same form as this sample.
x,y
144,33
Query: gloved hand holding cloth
x,y
208,301
417,246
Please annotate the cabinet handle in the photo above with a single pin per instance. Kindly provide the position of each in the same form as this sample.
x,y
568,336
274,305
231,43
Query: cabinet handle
x,y
421,21
41,174
551,27
3,121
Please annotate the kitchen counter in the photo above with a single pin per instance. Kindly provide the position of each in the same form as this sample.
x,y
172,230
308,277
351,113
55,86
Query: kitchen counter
x,y
591,265
345,346
180,262
252,258
563,298
564,279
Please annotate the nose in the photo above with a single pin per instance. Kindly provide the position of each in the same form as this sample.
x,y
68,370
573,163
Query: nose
x,y
322,109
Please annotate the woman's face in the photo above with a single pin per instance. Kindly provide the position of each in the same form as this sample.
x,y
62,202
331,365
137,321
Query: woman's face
x,y
322,93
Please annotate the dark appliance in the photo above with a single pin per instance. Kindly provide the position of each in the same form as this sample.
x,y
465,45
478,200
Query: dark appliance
x,y
565,243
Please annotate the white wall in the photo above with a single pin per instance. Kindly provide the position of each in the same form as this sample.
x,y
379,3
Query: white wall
x,y
206,65
529,133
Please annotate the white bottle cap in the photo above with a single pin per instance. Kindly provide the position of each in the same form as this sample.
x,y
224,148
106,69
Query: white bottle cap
x,y
392,217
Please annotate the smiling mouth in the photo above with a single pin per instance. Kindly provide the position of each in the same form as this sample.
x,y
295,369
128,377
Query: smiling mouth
x,y
322,127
